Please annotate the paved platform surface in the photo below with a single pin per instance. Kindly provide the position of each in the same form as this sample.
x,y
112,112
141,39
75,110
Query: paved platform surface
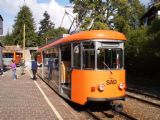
x,y
25,99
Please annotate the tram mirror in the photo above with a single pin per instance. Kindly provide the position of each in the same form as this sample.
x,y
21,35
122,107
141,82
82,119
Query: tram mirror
x,y
76,49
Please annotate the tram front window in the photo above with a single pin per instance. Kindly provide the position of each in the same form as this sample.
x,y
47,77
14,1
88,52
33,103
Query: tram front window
x,y
89,59
88,55
110,58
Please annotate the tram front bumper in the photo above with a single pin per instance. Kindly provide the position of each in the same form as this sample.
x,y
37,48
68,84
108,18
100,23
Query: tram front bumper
x,y
90,99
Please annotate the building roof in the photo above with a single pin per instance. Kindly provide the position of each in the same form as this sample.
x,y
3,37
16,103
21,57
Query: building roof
x,y
12,48
152,10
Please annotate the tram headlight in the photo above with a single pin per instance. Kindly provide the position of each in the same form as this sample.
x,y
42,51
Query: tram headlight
x,y
121,86
101,87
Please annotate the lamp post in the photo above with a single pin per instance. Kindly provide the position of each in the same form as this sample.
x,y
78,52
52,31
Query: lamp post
x,y
24,39
24,34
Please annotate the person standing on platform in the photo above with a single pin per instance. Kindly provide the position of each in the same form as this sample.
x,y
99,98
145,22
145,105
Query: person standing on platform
x,y
13,67
50,68
34,68
22,65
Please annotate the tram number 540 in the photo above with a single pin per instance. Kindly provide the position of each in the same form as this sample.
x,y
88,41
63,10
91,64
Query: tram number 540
x,y
109,82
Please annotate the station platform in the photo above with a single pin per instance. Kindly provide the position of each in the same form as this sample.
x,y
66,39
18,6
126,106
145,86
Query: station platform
x,y
26,99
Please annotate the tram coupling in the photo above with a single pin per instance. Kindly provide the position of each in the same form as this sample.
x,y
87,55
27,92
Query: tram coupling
x,y
117,107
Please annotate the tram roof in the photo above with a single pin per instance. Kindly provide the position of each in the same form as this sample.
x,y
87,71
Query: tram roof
x,y
88,35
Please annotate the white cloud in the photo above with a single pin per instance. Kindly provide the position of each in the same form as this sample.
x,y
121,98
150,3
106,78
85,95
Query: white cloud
x,y
10,8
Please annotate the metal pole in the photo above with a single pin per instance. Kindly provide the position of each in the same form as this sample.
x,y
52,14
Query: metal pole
x,y
24,41
46,40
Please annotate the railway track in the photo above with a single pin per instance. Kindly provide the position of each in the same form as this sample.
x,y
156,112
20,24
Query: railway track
x,y
105,112
111,114
125,115
131,93
144,97
142,93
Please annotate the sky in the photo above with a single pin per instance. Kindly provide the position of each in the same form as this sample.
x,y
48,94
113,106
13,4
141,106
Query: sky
x,y
55,8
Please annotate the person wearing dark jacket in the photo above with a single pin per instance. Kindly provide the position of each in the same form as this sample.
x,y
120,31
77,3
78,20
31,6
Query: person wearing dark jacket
x,y
34,69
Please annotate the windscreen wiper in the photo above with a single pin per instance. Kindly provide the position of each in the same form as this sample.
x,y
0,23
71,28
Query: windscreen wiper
x,y
107,67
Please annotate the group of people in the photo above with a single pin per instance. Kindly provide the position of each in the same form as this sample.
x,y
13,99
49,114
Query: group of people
x,y
22,64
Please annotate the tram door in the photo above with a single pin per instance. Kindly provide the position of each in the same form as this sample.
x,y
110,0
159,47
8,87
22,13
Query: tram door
x,y
18,57
65,73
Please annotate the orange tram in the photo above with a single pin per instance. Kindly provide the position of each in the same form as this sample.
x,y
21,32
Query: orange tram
x,y
86,67
12,55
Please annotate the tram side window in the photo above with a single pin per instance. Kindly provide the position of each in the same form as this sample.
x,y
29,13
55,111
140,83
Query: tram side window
x,y
65,62
89,59
54,58
50,57
77,55
46,57
110,59
66,55
8,55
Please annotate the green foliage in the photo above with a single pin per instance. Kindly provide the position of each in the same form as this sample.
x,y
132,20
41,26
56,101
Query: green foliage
x,y
8,40
91,13
155,26
2,39
137,39
154,33
143,51
127,15
121,15
56,33
24,17
135,49
45,24
99,25
52,33
47,30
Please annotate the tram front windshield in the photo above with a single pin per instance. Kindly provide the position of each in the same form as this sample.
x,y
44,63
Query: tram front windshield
x,y
101,58
111,58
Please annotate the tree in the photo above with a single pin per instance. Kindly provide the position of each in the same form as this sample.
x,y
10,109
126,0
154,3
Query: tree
x,y
108,14
46,24
127,15
135,49
52,34
24,17
143,51
91,14
8,39
153,44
